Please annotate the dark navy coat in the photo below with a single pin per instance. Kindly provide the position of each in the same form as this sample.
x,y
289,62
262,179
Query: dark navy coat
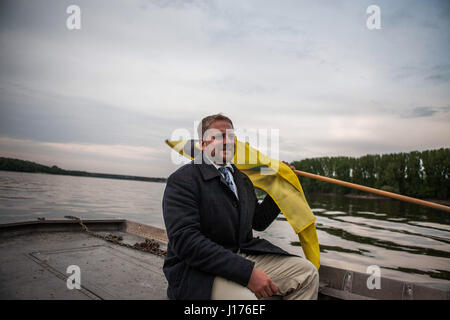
x,y
207,225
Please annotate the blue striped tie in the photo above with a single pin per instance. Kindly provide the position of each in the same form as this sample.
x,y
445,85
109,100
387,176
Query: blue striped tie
x,y
227,174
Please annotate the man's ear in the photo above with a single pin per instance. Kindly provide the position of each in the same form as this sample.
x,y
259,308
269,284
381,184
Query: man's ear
x,y
202,144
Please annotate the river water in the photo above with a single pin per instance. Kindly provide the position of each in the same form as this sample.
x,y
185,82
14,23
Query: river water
x,y
407,242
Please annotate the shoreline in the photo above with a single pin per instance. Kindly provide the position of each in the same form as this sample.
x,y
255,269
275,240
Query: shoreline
x,y
86,174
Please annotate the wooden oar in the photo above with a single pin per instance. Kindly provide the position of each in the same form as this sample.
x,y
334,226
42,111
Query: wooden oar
x,y
376,191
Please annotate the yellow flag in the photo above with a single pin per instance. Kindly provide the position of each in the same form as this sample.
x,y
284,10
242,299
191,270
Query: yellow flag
x,y
277,180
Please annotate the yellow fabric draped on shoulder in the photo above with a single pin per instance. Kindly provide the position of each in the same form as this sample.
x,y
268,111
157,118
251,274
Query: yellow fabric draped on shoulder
x,y
277,180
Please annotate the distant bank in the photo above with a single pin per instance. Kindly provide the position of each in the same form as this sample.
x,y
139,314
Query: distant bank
x,y
418,174
10,164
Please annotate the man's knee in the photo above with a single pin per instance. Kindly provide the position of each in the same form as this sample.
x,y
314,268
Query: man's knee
x,y
307,273
307,279
314,274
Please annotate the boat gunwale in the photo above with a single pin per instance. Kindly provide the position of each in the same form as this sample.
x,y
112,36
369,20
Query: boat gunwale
x,y
334,282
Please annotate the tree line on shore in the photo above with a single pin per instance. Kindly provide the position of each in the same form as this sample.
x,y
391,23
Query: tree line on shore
x,y
28,166
420,174
424,174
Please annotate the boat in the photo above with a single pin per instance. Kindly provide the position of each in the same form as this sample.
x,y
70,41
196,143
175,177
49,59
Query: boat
x,y
118,259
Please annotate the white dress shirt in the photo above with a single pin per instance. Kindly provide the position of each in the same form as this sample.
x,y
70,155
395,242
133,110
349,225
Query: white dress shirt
x,y
228,164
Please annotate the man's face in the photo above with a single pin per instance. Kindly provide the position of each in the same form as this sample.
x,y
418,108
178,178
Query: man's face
x,y
218,142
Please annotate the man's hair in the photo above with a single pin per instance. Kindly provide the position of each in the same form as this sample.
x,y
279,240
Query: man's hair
x,y
207,121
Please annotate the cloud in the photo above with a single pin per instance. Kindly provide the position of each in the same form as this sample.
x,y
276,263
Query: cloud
x,y
119,159
439,74
139,70
421,112
123,152
27,113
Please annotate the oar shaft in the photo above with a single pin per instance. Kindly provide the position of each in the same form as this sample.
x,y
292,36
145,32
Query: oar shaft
x,y
375,191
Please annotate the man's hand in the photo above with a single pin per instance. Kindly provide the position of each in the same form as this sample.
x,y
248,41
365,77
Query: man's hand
x,y
290,166
261,285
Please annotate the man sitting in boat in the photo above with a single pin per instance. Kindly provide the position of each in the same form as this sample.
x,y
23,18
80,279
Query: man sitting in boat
x,y
210,209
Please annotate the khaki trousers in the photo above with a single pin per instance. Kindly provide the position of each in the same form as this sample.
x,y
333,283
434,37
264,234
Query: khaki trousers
x,y
295,277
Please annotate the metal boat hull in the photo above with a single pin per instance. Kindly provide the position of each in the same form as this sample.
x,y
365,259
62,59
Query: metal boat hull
x,y
36,256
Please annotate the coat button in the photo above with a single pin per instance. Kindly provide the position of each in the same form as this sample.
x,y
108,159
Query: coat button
x,y
235,204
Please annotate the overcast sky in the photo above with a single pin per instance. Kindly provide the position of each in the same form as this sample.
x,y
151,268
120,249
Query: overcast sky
x,y
105,97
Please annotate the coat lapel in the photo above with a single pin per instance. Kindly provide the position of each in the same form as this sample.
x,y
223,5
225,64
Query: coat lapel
x,y
243,202
210,172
